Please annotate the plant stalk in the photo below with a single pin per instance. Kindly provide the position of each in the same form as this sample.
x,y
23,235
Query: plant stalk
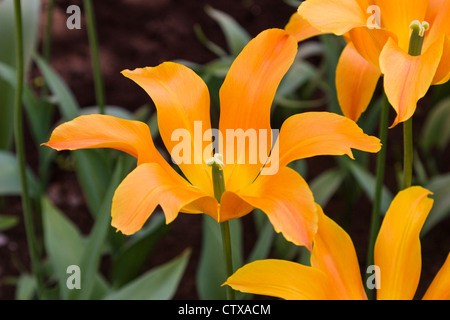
x,y
93,44
380,170
20,150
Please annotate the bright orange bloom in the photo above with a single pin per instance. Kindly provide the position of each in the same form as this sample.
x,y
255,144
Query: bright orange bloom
x,y
334,272
182,102
374,50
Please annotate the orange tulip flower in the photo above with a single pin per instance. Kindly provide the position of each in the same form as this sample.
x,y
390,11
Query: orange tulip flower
x,y
334,272
378,35
182,102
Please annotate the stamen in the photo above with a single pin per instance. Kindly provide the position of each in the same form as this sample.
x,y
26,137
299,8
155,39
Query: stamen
x,y
216,161
417,35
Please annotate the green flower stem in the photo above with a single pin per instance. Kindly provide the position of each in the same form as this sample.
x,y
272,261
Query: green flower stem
x,y
219,189
418,30
381,164
226,240
407,153
93,44
20,149
46,43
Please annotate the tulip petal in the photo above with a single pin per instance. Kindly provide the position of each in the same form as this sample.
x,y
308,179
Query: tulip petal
x,y
407,78
288,202
333,16
104,131
356,80
440,287
443,71
397,248
370,42
246,97
312,134
333,253
148,186
183,104
283,279
396,16
300,28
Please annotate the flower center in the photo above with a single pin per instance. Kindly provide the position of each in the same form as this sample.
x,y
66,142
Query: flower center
x,y
417,35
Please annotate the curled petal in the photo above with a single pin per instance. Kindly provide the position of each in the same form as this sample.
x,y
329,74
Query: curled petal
x,y
148,186
283,279
397,249
356,80
182,102
333,253
104,131
312,134
300,28
407,78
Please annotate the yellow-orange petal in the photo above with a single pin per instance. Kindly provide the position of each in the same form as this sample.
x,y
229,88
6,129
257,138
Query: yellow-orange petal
x,y
288,202
300,28
183,104
312,134
397,248
333,16
232,206
104,131
439,289
443,70
396,16
370,42
148,186
246,97
438,16
407,78
356,80
333,253
283,279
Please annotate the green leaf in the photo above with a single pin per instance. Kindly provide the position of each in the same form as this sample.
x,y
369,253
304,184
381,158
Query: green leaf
x,y
211,273
90,258
63,243
10,178
8,222
65,99
440,186
30,16
236,36
265,239
131,258
436,131
367,181
157,284
325,185
115,111
25,287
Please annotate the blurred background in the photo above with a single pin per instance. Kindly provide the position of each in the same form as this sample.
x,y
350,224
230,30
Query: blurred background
x,y
205,35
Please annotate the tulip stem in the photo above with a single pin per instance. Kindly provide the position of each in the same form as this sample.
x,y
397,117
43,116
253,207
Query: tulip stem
x,y
408,153
381,164
226,240
20,150
93,44
216,164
